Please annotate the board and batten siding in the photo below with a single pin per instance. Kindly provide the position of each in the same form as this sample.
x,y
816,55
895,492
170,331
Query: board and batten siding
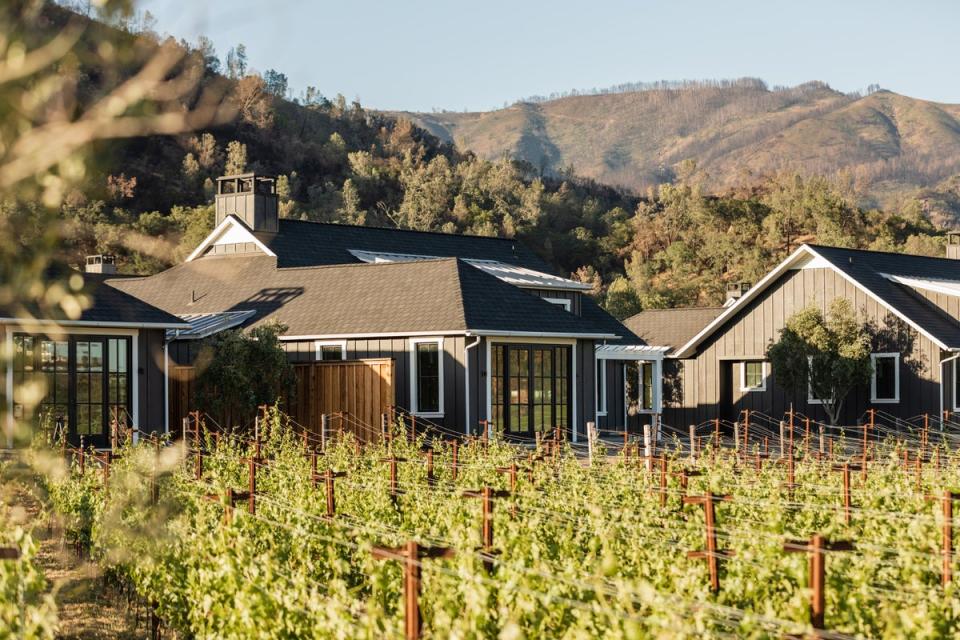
x,y
398,349
711,380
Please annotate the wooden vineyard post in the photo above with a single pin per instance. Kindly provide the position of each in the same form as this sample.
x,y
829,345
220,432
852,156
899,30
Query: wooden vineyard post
x,y
817,546
866,445
324,430
693,443
716,433
663,481
454,464
647,448
783,437
328,478
394,488
746,431
711,553
410,555
823,443
845,470
946,504
736,437
486,496
511,472
430,465
806,438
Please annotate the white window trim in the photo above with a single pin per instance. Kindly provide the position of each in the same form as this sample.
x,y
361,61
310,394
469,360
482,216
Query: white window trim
x,y
600,369
743,377
896,379
956,397
413,377
318,344
810,398
560,302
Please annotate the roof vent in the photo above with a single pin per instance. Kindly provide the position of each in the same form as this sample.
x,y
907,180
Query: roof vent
x,y
735,291
250,197
953,245
101,263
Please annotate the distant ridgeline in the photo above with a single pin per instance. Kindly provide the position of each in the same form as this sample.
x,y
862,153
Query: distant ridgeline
x,y
721,200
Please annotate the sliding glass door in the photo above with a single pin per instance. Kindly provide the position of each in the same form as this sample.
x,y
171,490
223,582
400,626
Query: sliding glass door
x,y
530,387
84,380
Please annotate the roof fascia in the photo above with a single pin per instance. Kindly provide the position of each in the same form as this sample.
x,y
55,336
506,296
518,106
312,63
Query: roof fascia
x,y
220,229
687,350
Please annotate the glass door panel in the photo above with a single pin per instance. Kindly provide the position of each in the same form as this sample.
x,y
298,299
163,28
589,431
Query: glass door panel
x,y
530,385
90,379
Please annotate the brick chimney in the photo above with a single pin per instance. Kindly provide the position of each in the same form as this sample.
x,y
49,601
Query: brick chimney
x,y
953,245
250,197
101,263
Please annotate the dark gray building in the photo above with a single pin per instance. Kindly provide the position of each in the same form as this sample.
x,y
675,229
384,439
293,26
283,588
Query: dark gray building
x,y
716,366
472,328
105,363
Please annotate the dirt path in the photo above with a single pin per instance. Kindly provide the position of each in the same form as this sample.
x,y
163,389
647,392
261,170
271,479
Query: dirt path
x,y
85,609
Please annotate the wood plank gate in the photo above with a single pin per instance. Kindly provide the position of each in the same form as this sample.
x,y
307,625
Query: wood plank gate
x,y
361,389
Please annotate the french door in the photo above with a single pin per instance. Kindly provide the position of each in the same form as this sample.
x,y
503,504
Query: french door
x,y
530,387
86,382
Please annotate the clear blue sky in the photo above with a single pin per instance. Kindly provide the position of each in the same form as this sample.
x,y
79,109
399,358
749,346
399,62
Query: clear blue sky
x,y
452,54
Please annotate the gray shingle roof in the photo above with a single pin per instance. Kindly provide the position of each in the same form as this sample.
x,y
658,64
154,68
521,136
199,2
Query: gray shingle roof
x,y
303,244
867,269
352,299
671,327
110,304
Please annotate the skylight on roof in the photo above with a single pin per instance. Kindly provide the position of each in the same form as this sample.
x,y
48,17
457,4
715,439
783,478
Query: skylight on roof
x,y
513,274
948,287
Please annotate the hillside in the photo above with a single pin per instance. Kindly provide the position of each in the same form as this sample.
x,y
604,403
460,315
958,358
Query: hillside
x,y
148,200
892,146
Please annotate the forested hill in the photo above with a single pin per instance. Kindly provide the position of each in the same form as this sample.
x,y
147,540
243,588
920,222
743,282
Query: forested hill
x,y
891,147
149,200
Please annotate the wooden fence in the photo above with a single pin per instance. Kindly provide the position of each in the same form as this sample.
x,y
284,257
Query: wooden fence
x,y
361,389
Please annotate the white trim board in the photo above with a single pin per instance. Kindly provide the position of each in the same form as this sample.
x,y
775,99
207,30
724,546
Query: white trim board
x,y
318,344
802,256
236,231
896,378
743,377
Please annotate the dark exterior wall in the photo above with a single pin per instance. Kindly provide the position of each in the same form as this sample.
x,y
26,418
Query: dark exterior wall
x,y
747,335
150,378
454,373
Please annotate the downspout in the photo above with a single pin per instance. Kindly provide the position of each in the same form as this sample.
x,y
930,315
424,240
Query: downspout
x,y
943,362
466,382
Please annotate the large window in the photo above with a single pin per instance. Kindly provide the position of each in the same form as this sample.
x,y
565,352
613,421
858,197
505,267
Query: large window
x,y
331,350
85,382
639,386
753,375
530,387
885,381
427,377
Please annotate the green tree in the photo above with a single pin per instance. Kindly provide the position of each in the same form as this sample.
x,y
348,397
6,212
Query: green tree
x,y
243,370
236,158
622,300
827,355
237,62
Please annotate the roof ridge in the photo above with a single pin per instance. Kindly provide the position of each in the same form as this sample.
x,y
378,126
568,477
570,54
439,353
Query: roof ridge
x,y
882,253
416,231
